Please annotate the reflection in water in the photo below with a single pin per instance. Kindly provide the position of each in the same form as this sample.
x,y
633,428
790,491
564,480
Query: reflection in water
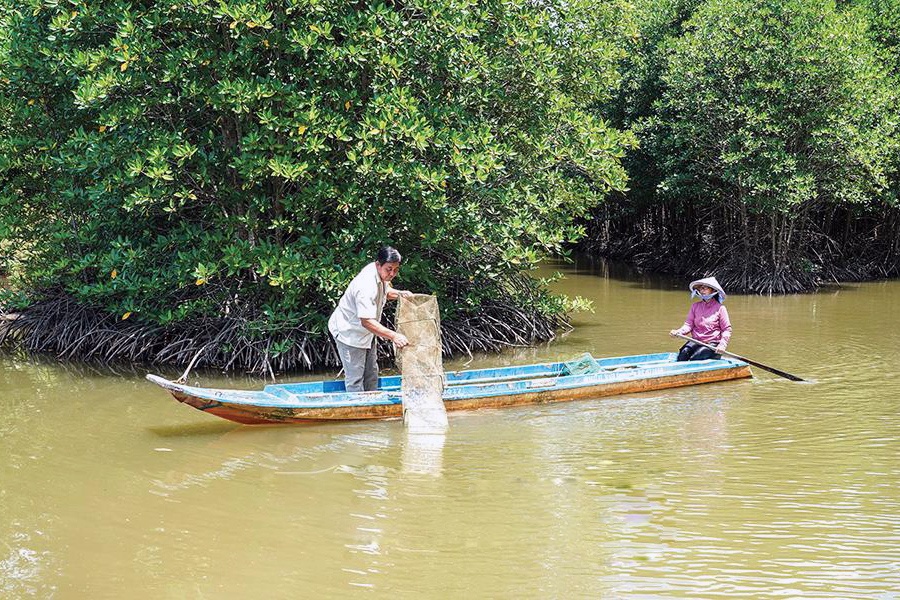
x,y
755,488
212,427
251,456
423,453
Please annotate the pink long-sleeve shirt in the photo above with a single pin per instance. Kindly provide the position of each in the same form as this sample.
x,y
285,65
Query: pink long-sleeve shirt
x,y
708,322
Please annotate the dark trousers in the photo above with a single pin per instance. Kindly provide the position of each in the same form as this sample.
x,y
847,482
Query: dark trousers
x,y
693,351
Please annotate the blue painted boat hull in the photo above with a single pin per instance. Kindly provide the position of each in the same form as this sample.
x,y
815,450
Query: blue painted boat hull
x,y
464,390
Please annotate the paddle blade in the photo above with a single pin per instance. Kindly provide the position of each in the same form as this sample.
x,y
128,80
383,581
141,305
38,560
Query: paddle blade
x,y
772,370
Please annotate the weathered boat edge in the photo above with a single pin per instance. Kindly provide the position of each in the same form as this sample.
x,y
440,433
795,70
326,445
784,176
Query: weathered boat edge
x,y
386,405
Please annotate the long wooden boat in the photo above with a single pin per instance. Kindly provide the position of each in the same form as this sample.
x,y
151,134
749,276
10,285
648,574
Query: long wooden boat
x,y
463,390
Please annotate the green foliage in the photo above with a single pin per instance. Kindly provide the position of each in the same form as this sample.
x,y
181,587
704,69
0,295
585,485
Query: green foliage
x,y
883,18
768,139
658,23
183,159
774,105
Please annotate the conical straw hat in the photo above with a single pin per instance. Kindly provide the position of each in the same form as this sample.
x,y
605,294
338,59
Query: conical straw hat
x,y
710,282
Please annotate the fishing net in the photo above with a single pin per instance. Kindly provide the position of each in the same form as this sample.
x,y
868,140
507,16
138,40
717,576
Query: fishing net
x,y
419,319
583,365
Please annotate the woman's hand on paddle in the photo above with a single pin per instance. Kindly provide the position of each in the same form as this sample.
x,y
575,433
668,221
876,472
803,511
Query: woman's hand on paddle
x,y
674,333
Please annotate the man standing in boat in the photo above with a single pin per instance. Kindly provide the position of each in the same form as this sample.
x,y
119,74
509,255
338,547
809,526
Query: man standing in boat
x,y
356,321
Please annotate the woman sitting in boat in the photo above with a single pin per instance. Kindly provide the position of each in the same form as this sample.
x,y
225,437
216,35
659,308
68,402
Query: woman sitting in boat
x,y
707,321
357,320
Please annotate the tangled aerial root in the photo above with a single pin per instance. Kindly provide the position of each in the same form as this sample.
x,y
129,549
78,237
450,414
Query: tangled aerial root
x,y
62,327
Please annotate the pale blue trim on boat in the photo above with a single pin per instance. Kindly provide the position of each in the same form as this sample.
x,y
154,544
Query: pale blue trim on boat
x,y
463,385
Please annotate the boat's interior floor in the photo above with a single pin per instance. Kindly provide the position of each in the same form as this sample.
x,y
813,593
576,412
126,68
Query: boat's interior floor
x,y
506,375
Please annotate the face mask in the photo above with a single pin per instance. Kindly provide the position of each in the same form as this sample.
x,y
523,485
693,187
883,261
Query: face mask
x,y
696,294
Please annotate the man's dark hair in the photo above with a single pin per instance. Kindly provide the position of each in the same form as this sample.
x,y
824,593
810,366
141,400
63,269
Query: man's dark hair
x,y
388,254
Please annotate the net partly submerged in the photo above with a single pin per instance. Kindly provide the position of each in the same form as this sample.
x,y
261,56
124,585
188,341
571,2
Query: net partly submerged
x,y
418,318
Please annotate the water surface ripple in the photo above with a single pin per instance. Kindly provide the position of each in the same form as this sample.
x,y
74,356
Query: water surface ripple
x,y
752,489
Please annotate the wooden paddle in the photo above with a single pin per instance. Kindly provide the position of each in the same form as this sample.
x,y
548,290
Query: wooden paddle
x,y
746,360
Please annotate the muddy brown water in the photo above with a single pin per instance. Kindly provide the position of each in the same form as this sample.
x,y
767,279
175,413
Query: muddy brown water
x,y
752,489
